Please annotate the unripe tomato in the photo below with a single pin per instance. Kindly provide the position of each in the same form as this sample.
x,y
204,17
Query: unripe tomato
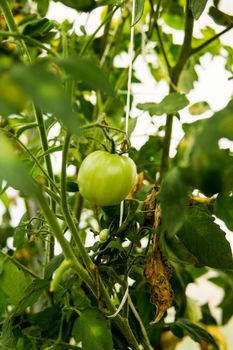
x,y
105,179
104,234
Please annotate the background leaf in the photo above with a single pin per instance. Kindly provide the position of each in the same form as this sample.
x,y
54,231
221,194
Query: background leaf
x,y
205,240
46,90
84,69
197,7
13,281
173,199
13,170
196,332
224,209
171,104
92,329
199,108
202,162
220,17
139,7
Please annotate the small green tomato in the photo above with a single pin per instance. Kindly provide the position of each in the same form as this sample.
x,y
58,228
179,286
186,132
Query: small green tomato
x,y
103,235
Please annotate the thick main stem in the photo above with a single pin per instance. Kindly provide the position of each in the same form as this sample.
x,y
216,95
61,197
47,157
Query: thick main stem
x,y
66,211
175,75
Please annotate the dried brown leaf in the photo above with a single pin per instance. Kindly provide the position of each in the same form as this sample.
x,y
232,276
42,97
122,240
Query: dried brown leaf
x,y
157,272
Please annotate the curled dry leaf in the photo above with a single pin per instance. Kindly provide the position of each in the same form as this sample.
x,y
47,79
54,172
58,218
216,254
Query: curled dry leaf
x,y
157,272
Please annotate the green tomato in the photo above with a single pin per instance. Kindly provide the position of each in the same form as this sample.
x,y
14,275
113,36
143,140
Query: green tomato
x,y
106,179
104,234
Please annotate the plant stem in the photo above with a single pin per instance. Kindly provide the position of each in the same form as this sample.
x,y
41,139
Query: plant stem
x,y
156,15
186,47
102,126
66,211
174,75
137,316
29,40
45,146
65,245
210,40
92,37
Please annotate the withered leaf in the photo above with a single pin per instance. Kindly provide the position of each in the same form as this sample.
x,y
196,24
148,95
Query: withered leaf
x,y
157,272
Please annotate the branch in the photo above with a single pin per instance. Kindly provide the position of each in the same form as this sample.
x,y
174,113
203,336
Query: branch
x,y
156,15
30,40
175,74
186,47
209,41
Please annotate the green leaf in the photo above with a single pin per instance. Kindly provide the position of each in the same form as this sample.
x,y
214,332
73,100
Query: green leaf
x,y
12,98
53,265
139,7
205,240
38,28
148,157
72,186
197,7
173,199
173,15
203,163
225,281
13,170
199,108
20,237
188,75
93,331
224,209
46,90
31,295
42,6
80,5
13,281
194,331
86,70
3,301
176,251
171,104
47,320
220,17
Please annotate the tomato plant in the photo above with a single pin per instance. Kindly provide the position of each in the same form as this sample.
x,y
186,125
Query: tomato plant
x,y
105,178
94,254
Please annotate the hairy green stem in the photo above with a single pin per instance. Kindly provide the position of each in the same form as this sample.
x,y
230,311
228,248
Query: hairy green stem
x,y
45,146
66,211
